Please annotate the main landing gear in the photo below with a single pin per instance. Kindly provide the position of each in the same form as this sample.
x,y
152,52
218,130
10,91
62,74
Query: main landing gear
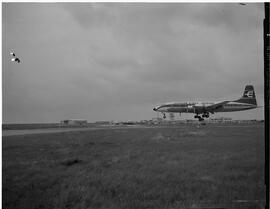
x,y
201,118
205,115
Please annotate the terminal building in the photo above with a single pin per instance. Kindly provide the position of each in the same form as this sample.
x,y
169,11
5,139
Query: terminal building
x,y
73,122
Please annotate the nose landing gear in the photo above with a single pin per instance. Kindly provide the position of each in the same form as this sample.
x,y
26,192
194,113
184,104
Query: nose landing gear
x,y
164,116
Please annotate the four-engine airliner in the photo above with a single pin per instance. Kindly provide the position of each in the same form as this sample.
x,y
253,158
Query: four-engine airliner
x,y
202,109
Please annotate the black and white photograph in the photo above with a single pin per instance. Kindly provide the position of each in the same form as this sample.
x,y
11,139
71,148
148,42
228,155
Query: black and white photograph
x,y
134,105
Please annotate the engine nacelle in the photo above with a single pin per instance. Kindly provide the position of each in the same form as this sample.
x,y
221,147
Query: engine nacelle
x,y
190,108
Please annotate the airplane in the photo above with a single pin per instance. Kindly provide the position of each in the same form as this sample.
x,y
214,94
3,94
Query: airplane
x,y
203,109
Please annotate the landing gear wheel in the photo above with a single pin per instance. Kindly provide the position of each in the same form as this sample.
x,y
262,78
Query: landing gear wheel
x,y
205,115
164,116
201,119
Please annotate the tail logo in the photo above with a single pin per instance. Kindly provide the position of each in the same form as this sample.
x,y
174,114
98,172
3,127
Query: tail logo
x,y
249,93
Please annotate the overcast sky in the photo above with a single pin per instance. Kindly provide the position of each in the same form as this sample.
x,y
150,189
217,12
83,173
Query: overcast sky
x,y
116,61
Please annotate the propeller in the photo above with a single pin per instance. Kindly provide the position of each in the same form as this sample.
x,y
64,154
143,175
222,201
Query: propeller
x,y
157,112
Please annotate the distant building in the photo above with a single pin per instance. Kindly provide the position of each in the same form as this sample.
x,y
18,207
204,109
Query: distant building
x,y
103,122
220,120
73,122
156,121
129,123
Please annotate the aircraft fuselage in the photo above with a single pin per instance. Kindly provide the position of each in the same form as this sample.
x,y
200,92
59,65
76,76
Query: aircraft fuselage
x,y
201,107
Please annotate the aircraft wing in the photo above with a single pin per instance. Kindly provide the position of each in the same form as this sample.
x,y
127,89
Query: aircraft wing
x,y
212,108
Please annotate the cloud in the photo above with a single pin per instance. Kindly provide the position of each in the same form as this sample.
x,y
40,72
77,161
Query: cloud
x,y
117,60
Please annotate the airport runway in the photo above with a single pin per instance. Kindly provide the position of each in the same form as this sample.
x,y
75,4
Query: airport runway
x,y
39,131
59,130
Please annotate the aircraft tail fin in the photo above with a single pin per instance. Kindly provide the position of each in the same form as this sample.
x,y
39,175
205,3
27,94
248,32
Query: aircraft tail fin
x,y
248,96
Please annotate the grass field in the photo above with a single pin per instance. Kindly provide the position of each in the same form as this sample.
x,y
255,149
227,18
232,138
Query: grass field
x,y
134,168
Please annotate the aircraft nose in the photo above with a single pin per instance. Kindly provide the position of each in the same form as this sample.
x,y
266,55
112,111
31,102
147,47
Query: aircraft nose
x,y
155,109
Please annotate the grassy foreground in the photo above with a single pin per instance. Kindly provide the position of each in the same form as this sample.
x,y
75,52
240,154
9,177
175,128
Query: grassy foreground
x,y
183,167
